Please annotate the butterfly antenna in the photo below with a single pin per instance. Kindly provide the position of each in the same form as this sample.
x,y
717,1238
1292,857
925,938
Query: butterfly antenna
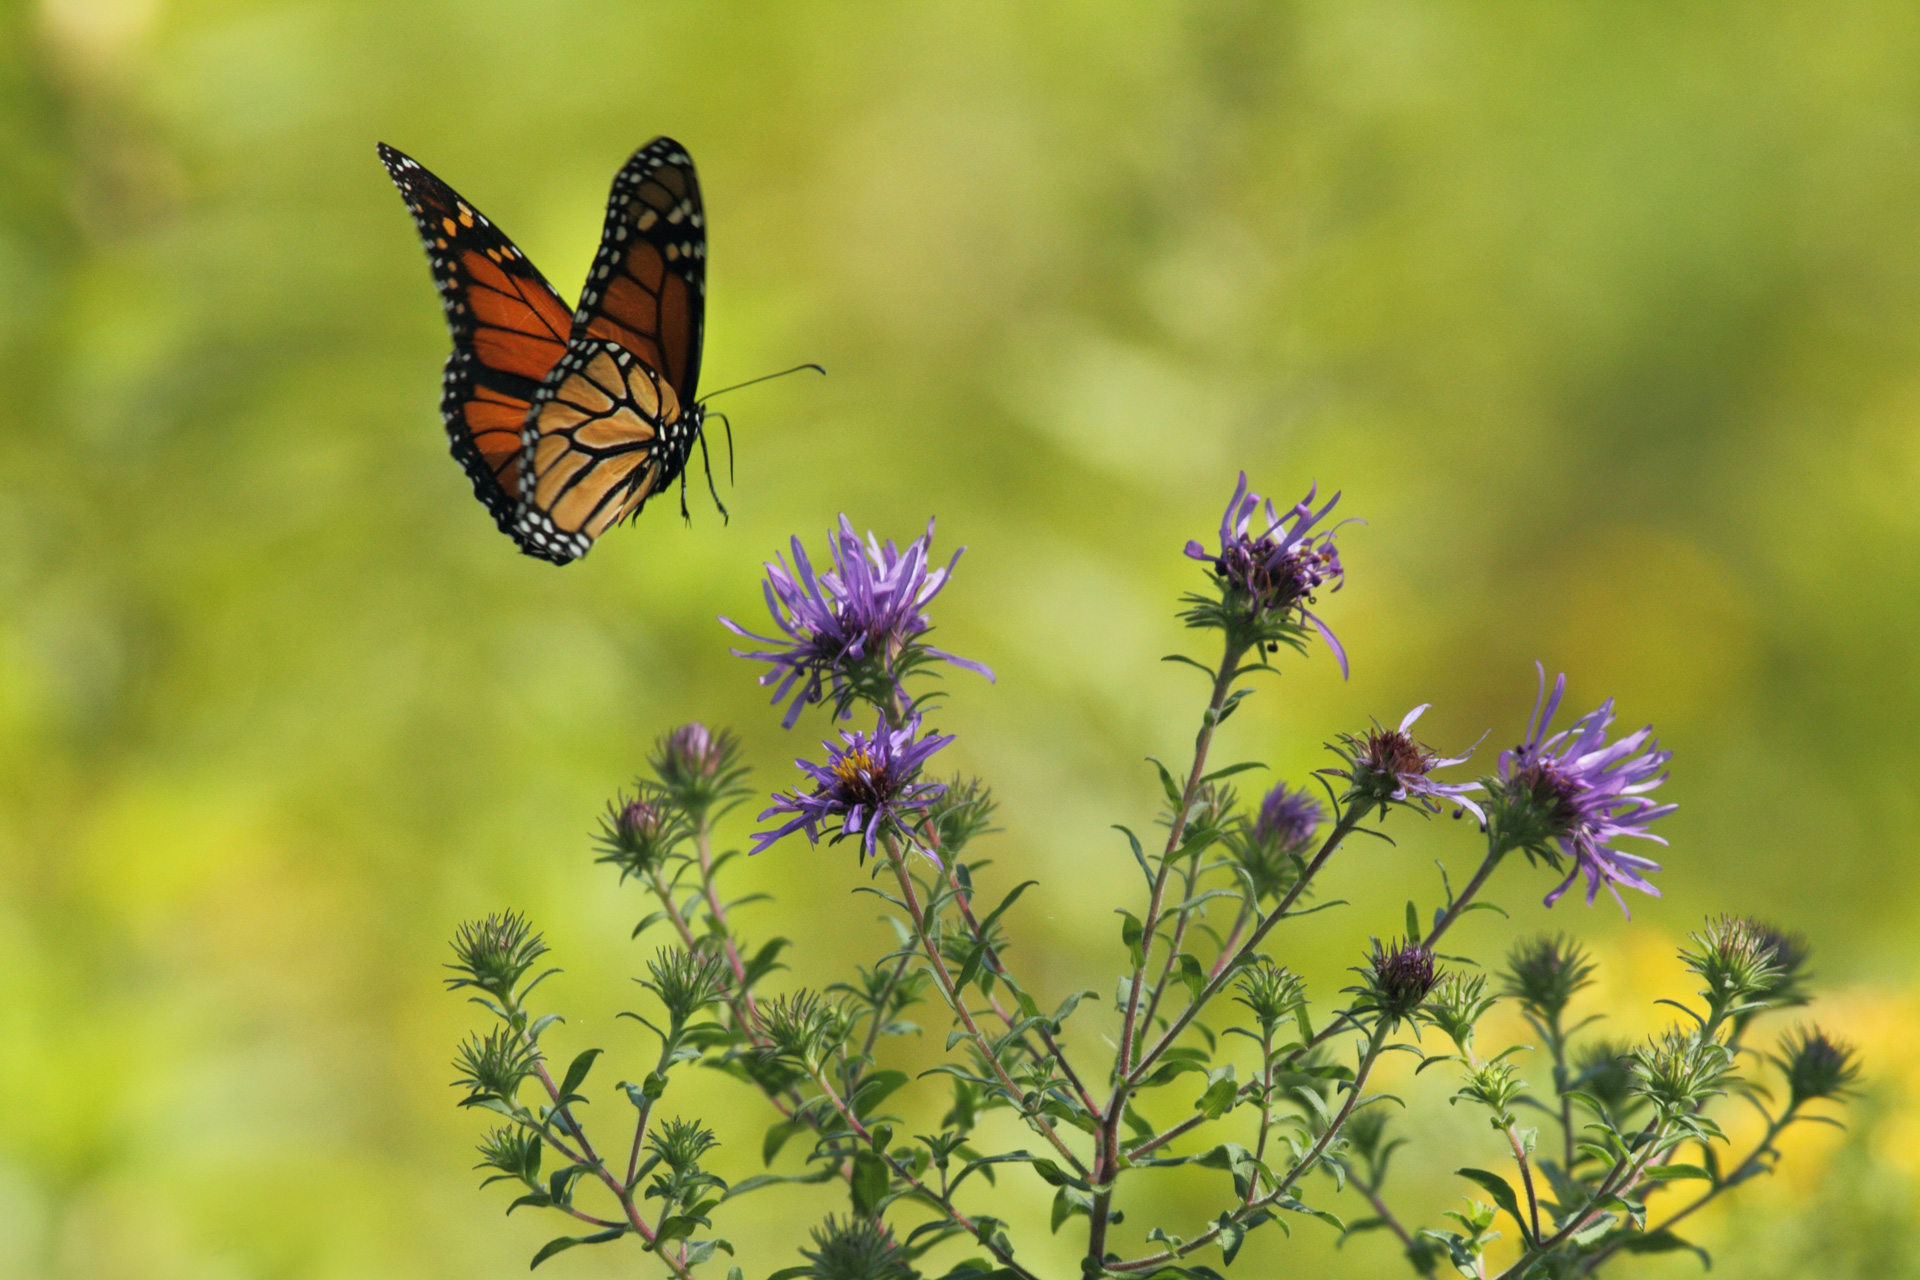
x,y
765,377
706,463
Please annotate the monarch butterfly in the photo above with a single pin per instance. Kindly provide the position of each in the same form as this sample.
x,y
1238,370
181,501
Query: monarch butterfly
x,y
567,421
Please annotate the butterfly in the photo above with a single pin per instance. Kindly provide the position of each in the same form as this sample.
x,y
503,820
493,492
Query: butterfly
x,y
567,420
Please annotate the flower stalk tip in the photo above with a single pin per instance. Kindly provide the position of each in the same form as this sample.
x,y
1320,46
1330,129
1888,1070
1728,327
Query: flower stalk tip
x,y
1268,568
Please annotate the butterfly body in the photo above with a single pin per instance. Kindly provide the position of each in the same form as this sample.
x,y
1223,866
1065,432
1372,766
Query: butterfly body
x,y
567,420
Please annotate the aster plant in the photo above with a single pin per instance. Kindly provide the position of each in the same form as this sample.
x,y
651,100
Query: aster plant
x,y
929,1097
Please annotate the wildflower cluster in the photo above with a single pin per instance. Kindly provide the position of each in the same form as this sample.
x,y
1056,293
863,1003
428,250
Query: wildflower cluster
x,y
1210,1054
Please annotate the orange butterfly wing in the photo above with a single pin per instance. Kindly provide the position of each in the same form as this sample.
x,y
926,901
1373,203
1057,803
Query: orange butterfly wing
x,y
606,433
509,331
616,420
647,290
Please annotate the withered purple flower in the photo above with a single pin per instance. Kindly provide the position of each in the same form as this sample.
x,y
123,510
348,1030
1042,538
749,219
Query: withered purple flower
x,y
1273,567
850,622
1399,977
1391,766
1583,793
868,783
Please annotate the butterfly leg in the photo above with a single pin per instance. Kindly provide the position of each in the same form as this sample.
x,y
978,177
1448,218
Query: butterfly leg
x,y
706,464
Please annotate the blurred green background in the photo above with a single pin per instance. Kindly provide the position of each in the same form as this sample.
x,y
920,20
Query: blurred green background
x,y
1606,319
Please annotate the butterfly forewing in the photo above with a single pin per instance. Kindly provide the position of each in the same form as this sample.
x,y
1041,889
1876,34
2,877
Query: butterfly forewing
x,y
606,432
615,421
509,330
647,288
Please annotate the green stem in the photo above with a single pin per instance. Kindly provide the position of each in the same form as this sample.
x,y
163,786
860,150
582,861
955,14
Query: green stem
x,y
956,998
1107,1151
1222,973
1306,1162
1743,1171
939,1199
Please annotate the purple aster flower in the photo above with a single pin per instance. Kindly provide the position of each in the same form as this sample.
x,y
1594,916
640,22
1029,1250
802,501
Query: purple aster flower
x,y
1391,766
1583,793
1269,848
1276,570
867,783
1288,819
865,610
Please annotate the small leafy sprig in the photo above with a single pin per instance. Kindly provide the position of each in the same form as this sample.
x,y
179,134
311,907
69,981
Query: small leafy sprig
x,y
1283,1100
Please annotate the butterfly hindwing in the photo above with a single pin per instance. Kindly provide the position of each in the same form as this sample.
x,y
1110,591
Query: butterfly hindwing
x,y
606,432
509,330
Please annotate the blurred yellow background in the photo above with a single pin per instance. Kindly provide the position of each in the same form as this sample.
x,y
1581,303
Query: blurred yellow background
x,y
1606,319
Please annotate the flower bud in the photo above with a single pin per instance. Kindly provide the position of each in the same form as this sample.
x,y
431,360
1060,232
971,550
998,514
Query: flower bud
x,y
686,981
1271,848
514,1151
856,1249
1602,1069
797,1026
1732,958
1544,973
494,1067
680,1143
1678,1072
494,954
637,834
1273,993
1816,1065
1495,1086
1788,954
696,767
1457,1002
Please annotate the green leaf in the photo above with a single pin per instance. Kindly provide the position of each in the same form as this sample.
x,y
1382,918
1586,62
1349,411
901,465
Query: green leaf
x,y
1677,1172
1232,769
1197,666
1193,975
1414,932
871,1177
874,1090
1295,1206
1131,931
776,1138
1665,1242
765,961
1219,1098
1067,1007
564,1243
1139,854
1166,781
1497,1187
648,922
1232,1236
1006,902
577,1073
